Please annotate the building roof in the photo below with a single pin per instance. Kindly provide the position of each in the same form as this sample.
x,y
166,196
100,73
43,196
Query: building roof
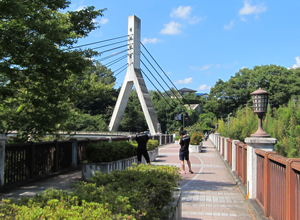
x,y
200,94
186,90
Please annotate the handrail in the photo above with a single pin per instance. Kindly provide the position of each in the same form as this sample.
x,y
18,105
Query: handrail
x,y
277,178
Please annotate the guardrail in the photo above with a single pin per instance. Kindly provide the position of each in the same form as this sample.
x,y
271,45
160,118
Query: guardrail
x,y
277,177
29,161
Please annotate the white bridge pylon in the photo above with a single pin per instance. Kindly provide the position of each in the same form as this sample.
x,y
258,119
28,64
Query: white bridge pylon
x,y
134,76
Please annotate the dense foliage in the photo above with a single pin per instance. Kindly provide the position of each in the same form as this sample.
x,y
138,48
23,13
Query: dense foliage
x,y
282,123
280,82
139,192
37,70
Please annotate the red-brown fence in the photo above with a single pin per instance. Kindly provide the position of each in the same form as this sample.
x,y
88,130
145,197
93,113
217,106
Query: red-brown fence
x,y
241,161
277,180
229,152
223,147
278,188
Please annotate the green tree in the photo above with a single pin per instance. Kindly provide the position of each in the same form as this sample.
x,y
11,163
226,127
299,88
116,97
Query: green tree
x,y
280,82
36,67
97,95
133,116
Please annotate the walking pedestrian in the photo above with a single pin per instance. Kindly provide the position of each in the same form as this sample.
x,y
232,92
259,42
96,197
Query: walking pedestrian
x,y
184,143
142,140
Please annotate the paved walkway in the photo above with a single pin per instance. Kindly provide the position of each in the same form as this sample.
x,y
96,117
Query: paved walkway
x,y
209,193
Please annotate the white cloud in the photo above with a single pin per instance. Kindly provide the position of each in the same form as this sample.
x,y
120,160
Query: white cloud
x,y
184,12
184,81
204,87
229,26
80,7
205,67
181,12
194,20
103,21
297,65
172,28
150,40
252,9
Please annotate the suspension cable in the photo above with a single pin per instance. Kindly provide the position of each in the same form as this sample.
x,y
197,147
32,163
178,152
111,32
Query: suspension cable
x,y
164,73
115,61
113,48
98,42
126,66
159,74
157,80
109,44
112,55
156,89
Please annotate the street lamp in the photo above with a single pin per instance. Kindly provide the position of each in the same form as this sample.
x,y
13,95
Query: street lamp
x,y
228,119
260,103
217,126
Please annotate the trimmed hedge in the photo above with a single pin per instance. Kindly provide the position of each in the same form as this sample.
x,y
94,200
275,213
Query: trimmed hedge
x,y
151,145
139,192
107,152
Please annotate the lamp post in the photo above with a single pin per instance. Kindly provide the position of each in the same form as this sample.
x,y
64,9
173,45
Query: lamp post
x,y
228,119
217,126
260,103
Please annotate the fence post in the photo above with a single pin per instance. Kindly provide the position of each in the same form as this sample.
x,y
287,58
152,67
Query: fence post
x,y
217,141
253,143
226,149
233,155
290,189
3,138
267,183
56,156
74,152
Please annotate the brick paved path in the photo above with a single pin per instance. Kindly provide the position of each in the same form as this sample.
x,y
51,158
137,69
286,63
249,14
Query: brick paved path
x,y
209,193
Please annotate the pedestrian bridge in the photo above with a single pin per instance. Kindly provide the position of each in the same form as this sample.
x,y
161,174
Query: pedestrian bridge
x,y
219,188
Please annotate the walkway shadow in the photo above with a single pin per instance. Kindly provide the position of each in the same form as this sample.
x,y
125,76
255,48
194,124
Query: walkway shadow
x,y
159,160
192,218
202,186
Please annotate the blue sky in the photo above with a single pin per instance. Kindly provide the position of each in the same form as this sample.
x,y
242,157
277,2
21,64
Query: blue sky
x,y
198,42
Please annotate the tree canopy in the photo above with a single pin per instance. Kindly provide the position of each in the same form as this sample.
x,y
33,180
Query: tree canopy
x,y
37,66
280,82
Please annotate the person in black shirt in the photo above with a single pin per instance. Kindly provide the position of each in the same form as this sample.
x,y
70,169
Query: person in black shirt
x,y
142,140
184,143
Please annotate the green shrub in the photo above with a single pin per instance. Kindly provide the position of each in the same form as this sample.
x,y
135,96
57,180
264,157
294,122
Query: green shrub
x,y
59,209
177,137
148,188
139,192
151,145
196,138
107,152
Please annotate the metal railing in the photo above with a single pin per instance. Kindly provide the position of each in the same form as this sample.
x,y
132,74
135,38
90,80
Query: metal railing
x,y
277,178
34,160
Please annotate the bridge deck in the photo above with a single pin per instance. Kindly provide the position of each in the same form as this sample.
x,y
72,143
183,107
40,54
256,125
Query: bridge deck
x,y
209,193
